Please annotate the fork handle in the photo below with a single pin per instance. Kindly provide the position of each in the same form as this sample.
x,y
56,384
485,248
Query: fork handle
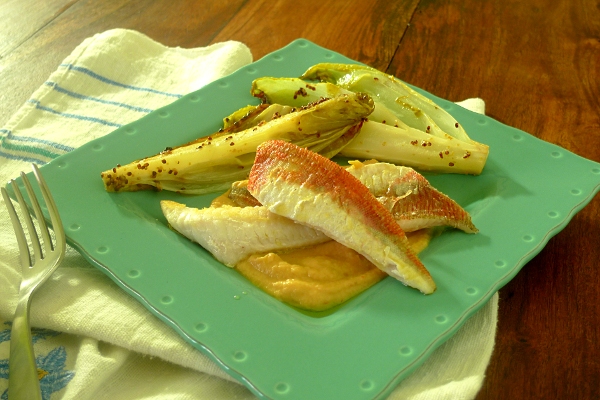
x,y
23,382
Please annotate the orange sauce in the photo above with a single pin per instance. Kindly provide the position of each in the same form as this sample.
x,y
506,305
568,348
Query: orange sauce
x,y
318,277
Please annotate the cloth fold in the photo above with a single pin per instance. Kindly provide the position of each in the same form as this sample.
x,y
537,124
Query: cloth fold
x,y
91,339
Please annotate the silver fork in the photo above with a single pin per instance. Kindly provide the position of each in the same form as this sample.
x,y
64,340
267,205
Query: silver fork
x,y
36,267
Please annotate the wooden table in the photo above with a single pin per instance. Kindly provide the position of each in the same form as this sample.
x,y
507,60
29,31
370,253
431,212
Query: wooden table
x,y
536,63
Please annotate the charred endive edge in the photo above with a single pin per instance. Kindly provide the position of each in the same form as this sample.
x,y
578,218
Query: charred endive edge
x,y
212,163
312,190
405,127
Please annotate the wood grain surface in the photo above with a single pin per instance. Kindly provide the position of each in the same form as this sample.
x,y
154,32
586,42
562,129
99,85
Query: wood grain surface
x,y
536,63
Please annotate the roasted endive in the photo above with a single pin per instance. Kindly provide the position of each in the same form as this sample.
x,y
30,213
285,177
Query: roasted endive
x,y
212,163
405,128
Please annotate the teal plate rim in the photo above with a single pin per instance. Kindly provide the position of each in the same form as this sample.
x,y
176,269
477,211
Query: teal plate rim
x,y
527,193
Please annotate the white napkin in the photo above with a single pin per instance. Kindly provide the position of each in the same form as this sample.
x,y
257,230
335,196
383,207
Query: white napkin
x,y
94,341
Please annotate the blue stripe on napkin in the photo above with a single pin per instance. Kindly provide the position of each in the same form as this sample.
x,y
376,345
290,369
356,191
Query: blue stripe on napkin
x,y
115,83
80,96
29,149
39,106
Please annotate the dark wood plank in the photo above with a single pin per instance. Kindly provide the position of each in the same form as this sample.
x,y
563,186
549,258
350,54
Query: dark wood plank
x,y
366,31
537,65
23,18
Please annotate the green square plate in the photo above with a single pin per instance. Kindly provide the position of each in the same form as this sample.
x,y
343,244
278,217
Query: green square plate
x,y
362,349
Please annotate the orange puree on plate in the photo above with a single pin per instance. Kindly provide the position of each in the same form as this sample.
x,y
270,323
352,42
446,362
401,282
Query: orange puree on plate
x,y
318,277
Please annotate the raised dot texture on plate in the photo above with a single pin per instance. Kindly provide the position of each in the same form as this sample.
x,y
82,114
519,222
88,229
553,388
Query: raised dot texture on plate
x,y
201,327
471,291
163,114
74,227
367,384
134,273
517,138
556,154
97,147
166,299
527,238
282,388
405,350
441,319
102,249
500,263
595,170
553,214
240,356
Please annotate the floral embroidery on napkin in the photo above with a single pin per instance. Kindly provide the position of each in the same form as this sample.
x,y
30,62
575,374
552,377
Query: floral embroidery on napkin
x,y
51,367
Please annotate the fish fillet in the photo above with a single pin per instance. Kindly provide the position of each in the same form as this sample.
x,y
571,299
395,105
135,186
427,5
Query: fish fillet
x,y
232,234
312,190
413,202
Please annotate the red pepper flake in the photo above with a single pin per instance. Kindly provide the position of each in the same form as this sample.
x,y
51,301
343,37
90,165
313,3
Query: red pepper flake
x,y
231,144
383,122
467,155
451,164
414,142
154,174
129,173
441,155
175,171
428,129
446,152
114,170
311,87
456,124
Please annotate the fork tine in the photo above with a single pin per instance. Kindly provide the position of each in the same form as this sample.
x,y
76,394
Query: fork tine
x,y
19,232
59,231
48,246
26,216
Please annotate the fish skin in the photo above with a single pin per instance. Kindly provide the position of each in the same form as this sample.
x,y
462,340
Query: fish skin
x,y
411,199
232,234
312,190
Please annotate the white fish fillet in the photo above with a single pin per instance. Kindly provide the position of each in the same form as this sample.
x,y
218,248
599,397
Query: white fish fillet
x,y
232,234
314,191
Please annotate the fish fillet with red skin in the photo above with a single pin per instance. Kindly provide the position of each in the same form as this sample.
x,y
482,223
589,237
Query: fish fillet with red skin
x,y
312,190
412,201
